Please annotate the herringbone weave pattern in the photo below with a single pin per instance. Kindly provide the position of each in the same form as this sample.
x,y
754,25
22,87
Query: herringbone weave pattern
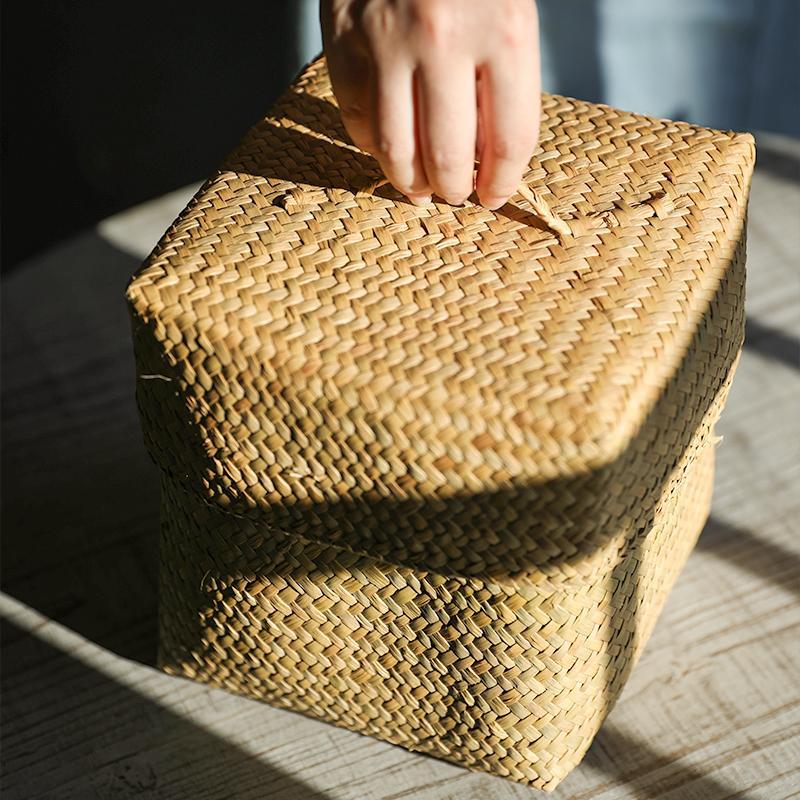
x,y
429,473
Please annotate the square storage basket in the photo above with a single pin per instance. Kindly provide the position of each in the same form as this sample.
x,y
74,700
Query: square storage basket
x,y
430,473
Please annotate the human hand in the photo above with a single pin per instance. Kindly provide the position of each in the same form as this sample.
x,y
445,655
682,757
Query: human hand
x,y
429,86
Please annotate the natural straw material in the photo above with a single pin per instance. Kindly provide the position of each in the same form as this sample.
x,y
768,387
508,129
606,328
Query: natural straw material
x,y
429,472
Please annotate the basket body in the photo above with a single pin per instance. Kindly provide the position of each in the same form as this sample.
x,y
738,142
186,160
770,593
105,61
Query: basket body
x,y
430,474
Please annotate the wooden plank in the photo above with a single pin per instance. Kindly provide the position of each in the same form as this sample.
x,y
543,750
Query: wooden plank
x,y
712,710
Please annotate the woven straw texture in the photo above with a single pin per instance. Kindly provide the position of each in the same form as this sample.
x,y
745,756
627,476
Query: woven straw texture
x,y
429,473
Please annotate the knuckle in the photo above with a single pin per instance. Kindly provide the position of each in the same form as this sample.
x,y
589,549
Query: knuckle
x,y
508,149
444,161
515,24
434,19
512,38
378,19
394,152
353,112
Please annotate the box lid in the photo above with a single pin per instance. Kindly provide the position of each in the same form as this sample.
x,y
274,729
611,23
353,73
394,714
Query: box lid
x,y
328,339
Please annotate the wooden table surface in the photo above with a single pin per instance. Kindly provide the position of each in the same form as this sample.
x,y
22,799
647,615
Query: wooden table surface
x,y
711,712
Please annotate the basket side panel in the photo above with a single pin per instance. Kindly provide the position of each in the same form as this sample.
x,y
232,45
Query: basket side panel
x,y
513,679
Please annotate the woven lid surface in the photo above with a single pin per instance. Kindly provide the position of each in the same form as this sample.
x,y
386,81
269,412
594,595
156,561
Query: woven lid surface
x,y
338,339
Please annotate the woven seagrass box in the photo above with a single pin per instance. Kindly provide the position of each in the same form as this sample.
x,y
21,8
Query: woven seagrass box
x,y
429,473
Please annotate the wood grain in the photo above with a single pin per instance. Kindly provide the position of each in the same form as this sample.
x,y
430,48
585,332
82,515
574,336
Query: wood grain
x,y
712,711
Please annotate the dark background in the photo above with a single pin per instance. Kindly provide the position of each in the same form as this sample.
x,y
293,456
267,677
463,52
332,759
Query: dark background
x,y
108,104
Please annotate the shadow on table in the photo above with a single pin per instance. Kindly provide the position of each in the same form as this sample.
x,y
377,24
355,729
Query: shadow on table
x,y
147,751
632,763
80,495
756,554
777,162
772,343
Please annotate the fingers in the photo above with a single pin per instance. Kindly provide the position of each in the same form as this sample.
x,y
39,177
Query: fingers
x,y
430,145
510,112
404,74
447,126
396,143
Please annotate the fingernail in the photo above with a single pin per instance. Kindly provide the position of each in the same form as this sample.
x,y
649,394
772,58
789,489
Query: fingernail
x,y
493,203
456,201
420,199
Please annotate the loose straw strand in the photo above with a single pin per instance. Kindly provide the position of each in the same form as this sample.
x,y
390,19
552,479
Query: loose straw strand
x,y
542,210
